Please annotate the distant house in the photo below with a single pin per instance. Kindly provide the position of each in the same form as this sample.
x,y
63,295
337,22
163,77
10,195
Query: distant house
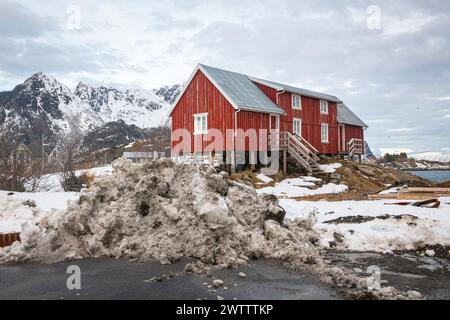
x,y
142,156
22,153
141,152
307,123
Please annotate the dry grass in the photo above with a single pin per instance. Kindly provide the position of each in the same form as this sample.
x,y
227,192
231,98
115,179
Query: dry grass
x,y
370,178
443,184
345,196
249,177
87,179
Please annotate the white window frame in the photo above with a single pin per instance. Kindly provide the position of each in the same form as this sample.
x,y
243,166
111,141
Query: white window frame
x,y
325,104
200,130
300,125
299,107
322,133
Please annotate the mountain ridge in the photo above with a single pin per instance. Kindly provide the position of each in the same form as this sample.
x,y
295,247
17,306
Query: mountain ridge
x,y
42,108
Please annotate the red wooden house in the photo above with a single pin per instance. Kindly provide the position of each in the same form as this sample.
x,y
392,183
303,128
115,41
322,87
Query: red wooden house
x,y
306,123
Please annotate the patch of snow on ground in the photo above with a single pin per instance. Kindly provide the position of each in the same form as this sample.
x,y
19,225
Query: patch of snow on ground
x,y
390,191
264,178
330,168
51,182
300,187
399,232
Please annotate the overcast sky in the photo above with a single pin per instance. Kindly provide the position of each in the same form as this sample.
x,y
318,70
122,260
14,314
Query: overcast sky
x,y
388,60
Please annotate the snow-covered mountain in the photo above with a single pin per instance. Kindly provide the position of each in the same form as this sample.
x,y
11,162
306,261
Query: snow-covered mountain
x,y
42,107
432,156
144,109
367,151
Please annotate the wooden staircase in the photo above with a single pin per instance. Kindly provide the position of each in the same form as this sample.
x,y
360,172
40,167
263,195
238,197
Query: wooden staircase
x,y
301,150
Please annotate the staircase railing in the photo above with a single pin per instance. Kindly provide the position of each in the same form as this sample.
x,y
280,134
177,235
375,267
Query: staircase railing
x,y
304,153
313,152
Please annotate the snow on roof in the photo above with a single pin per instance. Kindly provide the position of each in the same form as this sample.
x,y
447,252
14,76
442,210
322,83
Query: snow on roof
x,y
237,88
346,116
241,91
300,91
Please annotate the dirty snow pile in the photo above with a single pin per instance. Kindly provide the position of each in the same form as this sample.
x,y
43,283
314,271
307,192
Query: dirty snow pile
x,y
167,211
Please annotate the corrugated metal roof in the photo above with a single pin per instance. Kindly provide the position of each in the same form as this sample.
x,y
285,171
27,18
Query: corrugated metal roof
x,y
346,116
300,91
240,90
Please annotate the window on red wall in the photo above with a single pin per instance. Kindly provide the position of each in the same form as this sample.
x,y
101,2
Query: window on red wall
x,y
323,107
201,123
296,102
297,126
324,133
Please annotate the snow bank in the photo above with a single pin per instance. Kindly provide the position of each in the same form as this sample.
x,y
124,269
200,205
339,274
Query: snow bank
x,y
45,201
165,211
13,214
300,187
22,212
375,226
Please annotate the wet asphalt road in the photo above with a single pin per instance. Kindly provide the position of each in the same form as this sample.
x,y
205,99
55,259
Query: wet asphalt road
x,y
107,278
408,271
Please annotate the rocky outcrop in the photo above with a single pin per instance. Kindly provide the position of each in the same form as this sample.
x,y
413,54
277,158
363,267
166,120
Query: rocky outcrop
x,y
112,134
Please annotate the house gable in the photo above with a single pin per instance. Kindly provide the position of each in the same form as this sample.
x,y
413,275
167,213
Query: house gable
x,y
237,88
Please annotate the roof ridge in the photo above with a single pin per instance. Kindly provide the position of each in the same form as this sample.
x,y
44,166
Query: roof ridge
x,y
280,84
345,115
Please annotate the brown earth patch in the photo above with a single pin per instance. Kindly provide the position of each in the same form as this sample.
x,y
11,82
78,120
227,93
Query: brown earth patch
x,y
372,178
443,184
345,196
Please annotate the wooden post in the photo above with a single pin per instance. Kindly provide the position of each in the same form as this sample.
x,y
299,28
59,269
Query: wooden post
x,y
252,158
233,162
284,161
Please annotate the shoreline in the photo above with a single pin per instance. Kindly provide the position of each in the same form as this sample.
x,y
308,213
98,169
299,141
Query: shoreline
x,y
419,170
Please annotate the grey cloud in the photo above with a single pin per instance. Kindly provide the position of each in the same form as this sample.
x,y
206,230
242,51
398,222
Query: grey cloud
x,y
164,22
17,57
17,21
395,76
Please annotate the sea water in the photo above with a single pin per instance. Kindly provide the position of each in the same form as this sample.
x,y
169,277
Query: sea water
x,y
435,176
